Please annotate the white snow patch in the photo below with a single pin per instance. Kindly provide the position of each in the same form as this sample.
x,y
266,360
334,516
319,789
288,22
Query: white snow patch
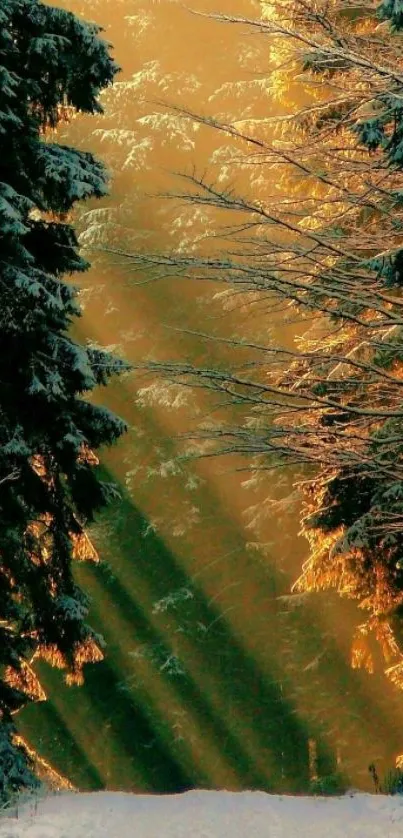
x,y
205,814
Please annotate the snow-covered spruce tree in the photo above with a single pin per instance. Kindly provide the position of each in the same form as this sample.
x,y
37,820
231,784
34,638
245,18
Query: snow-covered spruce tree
x,y
51,65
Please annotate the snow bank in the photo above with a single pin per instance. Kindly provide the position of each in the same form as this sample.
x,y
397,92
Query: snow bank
x,y
205,814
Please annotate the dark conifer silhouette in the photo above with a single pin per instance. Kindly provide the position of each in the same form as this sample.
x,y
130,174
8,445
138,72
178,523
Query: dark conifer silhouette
x,y
51,66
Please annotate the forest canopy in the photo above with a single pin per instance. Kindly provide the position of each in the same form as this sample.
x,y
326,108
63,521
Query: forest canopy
x,y
322,249
326,253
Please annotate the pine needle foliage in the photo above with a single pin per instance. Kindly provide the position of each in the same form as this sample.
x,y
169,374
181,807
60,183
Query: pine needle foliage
x,y
52,65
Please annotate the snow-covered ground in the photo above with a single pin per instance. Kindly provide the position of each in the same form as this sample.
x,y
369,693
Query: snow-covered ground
x,y
205,814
